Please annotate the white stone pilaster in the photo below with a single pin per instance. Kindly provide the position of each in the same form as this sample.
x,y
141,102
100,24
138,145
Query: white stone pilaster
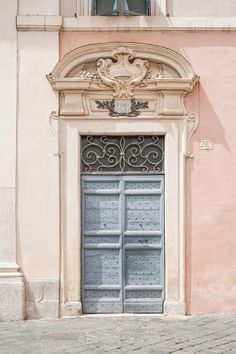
x,y
38,174
11,279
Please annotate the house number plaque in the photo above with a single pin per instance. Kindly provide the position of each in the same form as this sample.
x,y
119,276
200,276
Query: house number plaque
x,y
206,144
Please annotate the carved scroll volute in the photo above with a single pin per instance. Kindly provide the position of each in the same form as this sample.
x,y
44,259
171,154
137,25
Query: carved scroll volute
x,y
192,124
122,74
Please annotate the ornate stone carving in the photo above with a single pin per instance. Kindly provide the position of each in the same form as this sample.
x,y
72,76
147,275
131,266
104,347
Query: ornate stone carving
x,y
122,73
192,124
54,115
155,72
84,74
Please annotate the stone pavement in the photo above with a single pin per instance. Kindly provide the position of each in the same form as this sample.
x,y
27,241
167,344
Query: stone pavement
x,y
121,334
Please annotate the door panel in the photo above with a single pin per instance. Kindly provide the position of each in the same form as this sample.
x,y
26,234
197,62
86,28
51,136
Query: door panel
x,y
143,244
101,267
142,267
102,255
142,212
101,212
123,234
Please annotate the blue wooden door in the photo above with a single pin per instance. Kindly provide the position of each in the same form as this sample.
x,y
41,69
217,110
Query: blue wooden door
x,y
123,244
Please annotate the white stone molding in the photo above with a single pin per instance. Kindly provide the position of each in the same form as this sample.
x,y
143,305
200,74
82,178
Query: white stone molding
x,y
50,23
168,78
134,23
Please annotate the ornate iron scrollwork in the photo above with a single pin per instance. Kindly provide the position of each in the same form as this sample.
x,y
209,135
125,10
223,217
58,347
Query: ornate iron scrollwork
x,y
122,154
119,108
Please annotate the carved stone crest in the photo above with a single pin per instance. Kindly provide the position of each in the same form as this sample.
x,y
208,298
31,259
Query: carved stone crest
x,y
122,73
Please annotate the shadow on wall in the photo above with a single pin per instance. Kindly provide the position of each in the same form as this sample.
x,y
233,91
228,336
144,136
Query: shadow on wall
x,y
210,127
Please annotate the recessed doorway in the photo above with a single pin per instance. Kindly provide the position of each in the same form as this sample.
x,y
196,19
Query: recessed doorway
x,y
123,224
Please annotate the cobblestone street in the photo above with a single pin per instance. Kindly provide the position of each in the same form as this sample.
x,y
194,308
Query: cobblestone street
x,y
121,334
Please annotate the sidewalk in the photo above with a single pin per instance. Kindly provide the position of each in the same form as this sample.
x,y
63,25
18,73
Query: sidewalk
x,y
121,334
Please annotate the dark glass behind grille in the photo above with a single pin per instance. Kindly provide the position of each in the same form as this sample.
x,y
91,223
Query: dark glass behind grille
x,y
122,154
138,6
104,6
121,7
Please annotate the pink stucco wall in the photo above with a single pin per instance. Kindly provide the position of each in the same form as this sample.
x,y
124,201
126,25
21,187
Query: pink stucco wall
x,y
211,175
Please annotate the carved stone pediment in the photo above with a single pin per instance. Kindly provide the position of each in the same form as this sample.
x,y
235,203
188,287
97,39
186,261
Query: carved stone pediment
x,y
122,73
120,80
123,69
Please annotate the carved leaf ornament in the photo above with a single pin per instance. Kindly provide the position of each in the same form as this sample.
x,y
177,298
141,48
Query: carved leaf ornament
x,y
126,108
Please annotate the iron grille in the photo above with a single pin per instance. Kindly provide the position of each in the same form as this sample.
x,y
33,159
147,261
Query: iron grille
x,y
122,154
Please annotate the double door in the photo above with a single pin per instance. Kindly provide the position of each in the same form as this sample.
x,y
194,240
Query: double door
x,y
123,244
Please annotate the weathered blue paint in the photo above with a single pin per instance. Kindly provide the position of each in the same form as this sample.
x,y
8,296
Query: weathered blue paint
x,y
123,244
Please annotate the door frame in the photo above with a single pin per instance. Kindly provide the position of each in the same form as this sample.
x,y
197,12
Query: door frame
x,y
85,108
71,131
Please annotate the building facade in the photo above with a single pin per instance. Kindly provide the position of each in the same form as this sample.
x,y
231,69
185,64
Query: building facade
x,y
117,165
